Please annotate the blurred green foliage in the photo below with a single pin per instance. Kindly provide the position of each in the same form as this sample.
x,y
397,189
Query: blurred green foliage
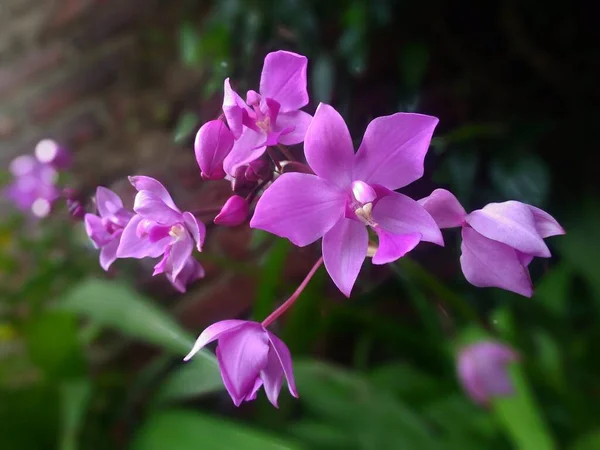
x,y
374,372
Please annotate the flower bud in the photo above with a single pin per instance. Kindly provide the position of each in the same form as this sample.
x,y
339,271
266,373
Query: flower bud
x,y
234,212
258,170
48,151
213,143
483,372
241,185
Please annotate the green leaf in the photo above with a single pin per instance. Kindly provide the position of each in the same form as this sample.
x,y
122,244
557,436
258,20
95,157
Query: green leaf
x,y
521,417
527,179
117,306
74,398
552,290
271,278
53,344
323,76
590,441
185,430
186,125
190,44
192,379
413,64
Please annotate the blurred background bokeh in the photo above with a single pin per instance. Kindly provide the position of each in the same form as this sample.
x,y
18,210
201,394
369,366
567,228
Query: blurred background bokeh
x,y
90,360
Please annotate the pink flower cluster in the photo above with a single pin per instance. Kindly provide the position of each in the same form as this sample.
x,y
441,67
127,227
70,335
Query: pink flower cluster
x,y
34,188
347,199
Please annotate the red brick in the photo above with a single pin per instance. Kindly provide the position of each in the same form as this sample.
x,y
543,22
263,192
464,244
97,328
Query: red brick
x,y
7,126
14,75
90,78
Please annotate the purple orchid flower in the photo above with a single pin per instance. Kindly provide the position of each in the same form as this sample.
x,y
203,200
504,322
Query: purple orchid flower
x,y
213,143
192,271
34,186
160,228
270,116
105,229
249,357
482,370
351,192
499,240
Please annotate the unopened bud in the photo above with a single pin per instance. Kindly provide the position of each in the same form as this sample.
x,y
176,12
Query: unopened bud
x,y
213,143
234,212
258,170
241,185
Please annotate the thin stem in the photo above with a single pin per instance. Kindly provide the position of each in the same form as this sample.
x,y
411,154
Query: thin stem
x,y
275,161
286,152
290,301
250,197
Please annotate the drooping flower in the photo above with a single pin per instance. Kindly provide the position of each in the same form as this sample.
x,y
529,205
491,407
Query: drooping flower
x,y
192,271
106,228
350,192
34,186
213,143
159,228
249,357
499,240
483,370
234,212
270,116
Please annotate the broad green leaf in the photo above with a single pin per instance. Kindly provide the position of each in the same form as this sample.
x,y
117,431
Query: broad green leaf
x,y
323,435
590,441
552,290
117,306
53,344
271,278
74,398
521,417
186,430
186,125
407,382
197,377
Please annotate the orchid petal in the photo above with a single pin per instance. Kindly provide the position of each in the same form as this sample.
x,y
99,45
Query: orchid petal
x,y
108,253
151,206
399,214
212,333
190,273
143,183
445,208
248,147
181,251
285,359
213,143
328,146
196,228
298,121
300,207
254,392
243,355
283,79
95,229
511,223
133,246
233,108
344,250
107,201
394,246
272,377
489,263
393,149
545,224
